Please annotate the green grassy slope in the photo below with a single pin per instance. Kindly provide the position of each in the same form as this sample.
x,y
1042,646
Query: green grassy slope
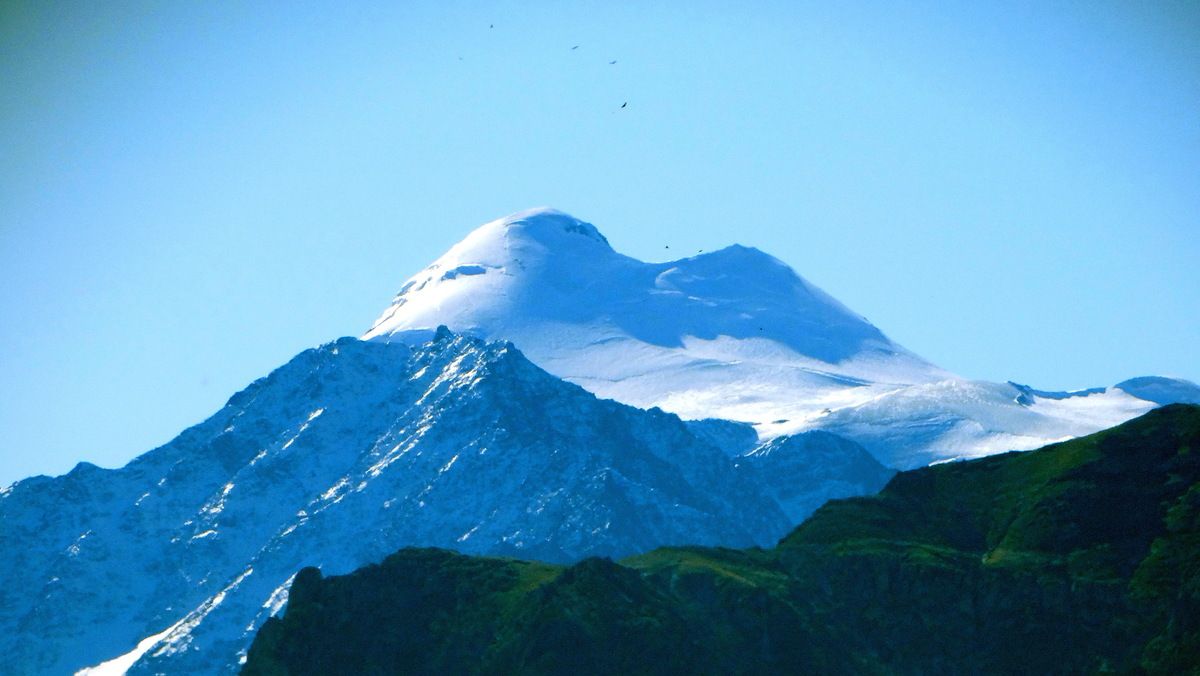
x,y
1082,557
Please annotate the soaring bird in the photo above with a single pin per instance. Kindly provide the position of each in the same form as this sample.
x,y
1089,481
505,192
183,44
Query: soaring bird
x,y
624,104
611,62
575,47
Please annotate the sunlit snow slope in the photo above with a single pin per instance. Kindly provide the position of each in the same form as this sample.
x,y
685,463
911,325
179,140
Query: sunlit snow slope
x,y
733,334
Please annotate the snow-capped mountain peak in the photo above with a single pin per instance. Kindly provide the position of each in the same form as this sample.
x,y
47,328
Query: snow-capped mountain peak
x,y
340,456
494,262
431,437
527,237
733,333
543,265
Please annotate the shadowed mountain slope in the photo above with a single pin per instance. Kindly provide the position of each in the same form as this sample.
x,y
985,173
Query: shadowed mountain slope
x,y
343,455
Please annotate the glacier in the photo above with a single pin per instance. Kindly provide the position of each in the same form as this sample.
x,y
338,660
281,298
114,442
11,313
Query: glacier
x,y
733,334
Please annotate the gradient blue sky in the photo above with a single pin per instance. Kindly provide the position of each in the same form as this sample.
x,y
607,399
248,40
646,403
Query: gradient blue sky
x,y
191,193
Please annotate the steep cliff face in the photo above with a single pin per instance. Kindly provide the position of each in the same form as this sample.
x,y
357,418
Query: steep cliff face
x,y
1077,558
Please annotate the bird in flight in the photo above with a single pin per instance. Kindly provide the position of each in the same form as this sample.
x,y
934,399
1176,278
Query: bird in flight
x,y
575,47
624,104
611,62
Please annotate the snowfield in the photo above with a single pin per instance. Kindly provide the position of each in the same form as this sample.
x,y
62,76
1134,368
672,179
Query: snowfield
x,y
733,334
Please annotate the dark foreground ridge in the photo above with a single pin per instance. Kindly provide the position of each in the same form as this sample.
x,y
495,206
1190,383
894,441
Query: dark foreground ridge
x,y
1081,557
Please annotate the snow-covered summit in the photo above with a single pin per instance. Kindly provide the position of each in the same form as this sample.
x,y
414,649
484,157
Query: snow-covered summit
x,y
734,333
556,233
543,265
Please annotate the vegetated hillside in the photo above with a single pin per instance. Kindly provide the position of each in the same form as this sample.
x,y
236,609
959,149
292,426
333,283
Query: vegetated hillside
x,y
1081,557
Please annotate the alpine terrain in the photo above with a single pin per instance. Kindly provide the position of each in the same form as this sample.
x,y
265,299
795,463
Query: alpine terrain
x,y
732,334
715,400
351,451
1079,558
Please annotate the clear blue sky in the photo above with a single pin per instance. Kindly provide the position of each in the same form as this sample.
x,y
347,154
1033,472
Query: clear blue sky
x,y
191,193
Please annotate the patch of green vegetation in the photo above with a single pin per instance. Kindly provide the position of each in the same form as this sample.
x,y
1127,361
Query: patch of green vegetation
x,y
1083,557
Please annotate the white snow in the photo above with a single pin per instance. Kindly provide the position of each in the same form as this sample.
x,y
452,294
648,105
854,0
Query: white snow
x,y
178,637
174,633
1093,410
117,666
335,489
217,504
731,334
278,598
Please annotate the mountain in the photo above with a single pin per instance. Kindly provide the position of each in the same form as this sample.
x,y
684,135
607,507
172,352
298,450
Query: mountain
x,y
423,436
1077,558
1161,390
804,471
733,334
346,453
